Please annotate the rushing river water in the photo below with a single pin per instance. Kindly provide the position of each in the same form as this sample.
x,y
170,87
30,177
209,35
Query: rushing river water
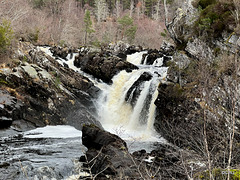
x,y
132,117
124,109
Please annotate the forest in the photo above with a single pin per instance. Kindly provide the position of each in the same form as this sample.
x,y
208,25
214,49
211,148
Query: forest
x,y
63,22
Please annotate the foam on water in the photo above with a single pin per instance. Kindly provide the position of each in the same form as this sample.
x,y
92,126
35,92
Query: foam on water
x,y
60,131
120,117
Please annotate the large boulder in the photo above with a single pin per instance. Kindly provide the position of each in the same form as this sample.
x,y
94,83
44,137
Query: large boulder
x,y
107,154
101,66
61,52
151,56
108,157
135,90
10,109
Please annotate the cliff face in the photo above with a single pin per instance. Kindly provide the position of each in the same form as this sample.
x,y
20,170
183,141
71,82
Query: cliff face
x,y
37,91
198,107
195,29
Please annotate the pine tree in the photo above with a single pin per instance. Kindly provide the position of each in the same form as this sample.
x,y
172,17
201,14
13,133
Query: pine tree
x,y
127,28
149,4
6,35
87,25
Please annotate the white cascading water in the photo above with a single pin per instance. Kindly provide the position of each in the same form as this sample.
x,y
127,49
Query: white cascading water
x,y
131,122
118,115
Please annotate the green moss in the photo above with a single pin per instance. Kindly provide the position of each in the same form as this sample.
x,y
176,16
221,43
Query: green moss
x,y
57,82
3,82
218,173
217,50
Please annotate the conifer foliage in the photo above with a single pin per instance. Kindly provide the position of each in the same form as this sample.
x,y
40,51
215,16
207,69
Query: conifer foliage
x,y
88,29
6,35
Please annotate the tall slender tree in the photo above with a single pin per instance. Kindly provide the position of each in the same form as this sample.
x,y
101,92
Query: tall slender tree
x,y
127,28
88,29
101,10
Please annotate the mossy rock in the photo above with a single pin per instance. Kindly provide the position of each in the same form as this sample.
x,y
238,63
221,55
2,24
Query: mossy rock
x,y
218,174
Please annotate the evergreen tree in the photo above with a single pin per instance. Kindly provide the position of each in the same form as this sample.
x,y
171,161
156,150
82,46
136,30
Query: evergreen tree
x,y
125,4
6,35
149,4
127,28
87,25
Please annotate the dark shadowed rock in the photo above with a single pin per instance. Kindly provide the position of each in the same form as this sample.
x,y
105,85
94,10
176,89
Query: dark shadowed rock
x,y
107,154
10,109
167,48
61,52
133,49
135,90
101,66
95,138
151,56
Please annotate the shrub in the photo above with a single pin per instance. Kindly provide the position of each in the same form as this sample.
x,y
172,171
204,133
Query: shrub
x,y
127,28
38,3
34,35
214,19
206,3
6,35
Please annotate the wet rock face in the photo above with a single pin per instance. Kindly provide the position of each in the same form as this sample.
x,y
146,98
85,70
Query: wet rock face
x,y
95,138
61,52
49,93
177,117
135,90
167,48
109,150
165,52
121,49
10,109
101,66
151,56
107,156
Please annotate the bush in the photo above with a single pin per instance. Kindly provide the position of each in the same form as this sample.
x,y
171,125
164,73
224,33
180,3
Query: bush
x,y
38,3
127,28
206,3
6,35
215,19
33,35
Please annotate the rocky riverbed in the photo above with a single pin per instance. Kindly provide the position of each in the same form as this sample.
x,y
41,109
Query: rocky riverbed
x,y
50,86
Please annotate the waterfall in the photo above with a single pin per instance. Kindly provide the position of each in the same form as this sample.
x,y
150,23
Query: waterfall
x,y
127,108
132,117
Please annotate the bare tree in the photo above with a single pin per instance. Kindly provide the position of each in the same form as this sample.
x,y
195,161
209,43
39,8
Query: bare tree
x,y
118,8
102,10
156,15
166,12
131,8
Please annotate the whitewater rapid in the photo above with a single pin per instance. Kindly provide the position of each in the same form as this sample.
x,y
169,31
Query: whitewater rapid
x,y
118,115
